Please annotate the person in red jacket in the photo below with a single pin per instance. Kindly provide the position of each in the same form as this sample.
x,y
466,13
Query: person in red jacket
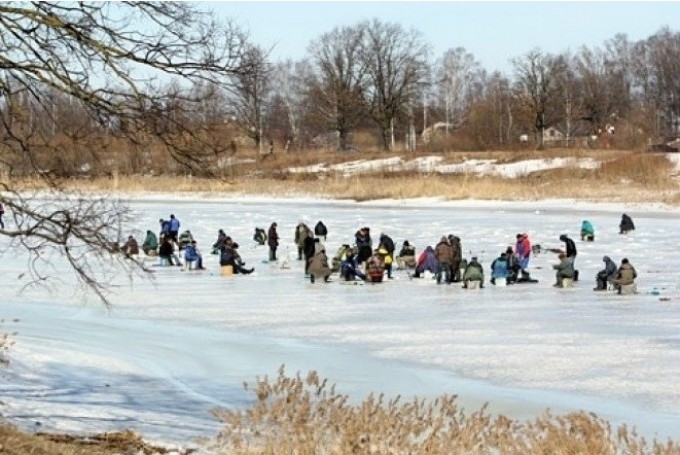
x,y
523,251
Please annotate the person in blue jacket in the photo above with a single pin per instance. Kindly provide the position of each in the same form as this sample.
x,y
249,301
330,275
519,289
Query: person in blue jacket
x,y
174,228
604,275
587,231
349,269
191,254
499,268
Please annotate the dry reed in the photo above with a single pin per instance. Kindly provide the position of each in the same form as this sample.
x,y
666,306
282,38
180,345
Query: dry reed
x,y
620,177
307,416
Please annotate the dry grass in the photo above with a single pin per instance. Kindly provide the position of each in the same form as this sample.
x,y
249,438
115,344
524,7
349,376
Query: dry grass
x,y
622,177
306,416
15,442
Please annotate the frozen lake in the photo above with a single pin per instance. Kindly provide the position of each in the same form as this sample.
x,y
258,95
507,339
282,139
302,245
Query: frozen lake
x,y
172,349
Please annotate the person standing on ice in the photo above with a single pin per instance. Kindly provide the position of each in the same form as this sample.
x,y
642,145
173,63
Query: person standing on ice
x,y
272,241
444,253
523,252
302,232
174,229
362,239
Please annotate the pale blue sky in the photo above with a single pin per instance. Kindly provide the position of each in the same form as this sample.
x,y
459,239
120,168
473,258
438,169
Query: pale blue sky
x,y
493,32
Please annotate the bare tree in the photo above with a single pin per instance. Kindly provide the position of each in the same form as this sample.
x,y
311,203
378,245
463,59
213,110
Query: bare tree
x,y
536,88
338,89
251,91
397,62
456,72
289,88
110,59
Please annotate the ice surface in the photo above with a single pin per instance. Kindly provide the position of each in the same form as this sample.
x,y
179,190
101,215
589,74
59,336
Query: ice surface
x,y
174,348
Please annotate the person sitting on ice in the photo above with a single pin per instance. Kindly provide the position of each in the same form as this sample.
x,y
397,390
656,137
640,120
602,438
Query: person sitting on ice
x,y
340,256
349,269
375,267
150,245
605,275
473,272
587,231
499,268
185,239
191,254
230,256
570,251
563,269
406,256
624,276
131,248
427,261
318,266
260,236
166,253
626,225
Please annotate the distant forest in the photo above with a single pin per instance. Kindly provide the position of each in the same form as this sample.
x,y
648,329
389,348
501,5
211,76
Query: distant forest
x,y
84,91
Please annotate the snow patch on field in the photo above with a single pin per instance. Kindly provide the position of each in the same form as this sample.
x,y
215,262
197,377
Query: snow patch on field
x,y
434,164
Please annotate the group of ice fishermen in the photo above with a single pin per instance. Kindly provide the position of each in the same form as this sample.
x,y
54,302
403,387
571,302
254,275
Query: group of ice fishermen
x,y
361,261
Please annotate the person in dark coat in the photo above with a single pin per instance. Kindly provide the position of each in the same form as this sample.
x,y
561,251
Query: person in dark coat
x,y
230,256
457,257
308,249
166,252
364,244
320,230
386,249
606,274
302,233
626,224
272,241
260,236
220,242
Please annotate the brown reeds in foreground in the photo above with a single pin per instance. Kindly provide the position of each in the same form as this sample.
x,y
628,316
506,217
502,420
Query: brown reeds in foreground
x,y
306,416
